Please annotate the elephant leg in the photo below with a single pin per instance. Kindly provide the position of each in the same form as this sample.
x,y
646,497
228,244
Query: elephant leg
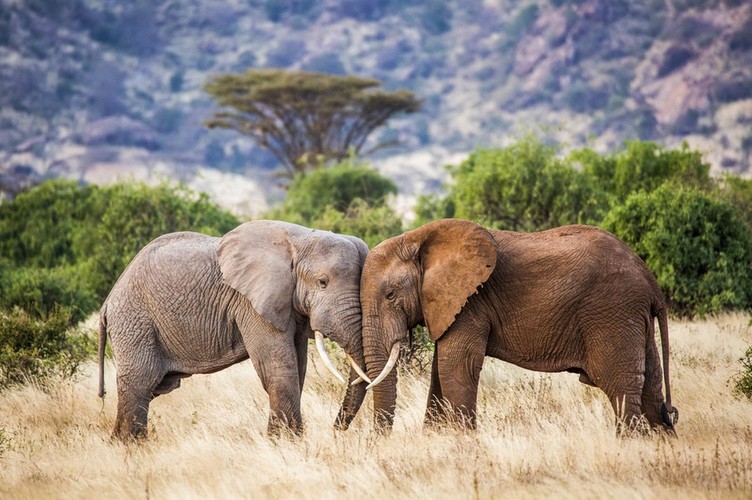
x,y
624,391
435,409
301,347
653,403
276,361
459,364
139,381
132,407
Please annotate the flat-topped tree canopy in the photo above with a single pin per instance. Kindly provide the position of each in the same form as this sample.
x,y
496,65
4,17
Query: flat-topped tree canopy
x,y
305,119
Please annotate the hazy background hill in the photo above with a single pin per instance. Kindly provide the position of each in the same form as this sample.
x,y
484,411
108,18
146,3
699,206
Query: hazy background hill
x,y
99,89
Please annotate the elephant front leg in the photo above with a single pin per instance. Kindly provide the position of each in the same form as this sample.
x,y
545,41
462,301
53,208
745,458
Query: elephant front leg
x,y
458,365
277,366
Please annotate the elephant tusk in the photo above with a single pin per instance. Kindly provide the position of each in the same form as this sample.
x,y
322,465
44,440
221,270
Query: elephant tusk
x,y
389,365
361,373
325,357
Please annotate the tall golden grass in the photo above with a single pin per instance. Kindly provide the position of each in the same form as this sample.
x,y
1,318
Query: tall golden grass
x,y
539,435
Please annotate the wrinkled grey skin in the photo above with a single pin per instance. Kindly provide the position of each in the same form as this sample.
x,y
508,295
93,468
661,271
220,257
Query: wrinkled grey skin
x,y
190,303
573,299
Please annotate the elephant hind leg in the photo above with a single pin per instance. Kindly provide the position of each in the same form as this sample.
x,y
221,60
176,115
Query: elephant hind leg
x,y
132,413
653,403
136,387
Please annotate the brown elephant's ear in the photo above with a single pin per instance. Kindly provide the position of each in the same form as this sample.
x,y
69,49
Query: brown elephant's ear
x,y
256,260
456,257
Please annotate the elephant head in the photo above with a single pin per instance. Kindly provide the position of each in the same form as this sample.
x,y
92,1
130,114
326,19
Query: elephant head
x,y
423,276
296,275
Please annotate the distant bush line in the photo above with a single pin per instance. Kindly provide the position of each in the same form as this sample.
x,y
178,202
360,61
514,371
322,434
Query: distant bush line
x,y
63,244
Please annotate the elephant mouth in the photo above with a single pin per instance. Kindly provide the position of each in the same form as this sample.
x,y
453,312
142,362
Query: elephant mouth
x,y
362,377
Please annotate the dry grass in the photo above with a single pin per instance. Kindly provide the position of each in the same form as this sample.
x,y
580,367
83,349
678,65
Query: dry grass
x,y
539,435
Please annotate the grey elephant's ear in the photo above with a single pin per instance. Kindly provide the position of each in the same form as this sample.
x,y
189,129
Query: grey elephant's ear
x,y
456,256
361,246
256,260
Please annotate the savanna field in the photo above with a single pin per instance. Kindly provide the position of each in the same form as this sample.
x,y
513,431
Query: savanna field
x,y
539,436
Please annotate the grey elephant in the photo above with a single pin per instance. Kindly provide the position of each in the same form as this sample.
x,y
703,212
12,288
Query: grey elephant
x,y
573,299
190,303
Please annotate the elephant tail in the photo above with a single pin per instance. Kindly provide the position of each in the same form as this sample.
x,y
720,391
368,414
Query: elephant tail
x,y
102,345
670,414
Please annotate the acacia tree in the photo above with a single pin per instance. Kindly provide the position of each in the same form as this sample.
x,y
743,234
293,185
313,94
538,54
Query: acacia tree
x,y
305,118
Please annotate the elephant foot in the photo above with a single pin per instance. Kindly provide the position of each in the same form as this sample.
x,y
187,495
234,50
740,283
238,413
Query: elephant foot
x,y
343,420
283,427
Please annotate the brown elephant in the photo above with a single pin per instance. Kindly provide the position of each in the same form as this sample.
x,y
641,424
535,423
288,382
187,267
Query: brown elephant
x,y
190,303
573,299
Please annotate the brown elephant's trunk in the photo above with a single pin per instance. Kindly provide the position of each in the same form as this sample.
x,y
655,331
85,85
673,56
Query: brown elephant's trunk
x,y
385,393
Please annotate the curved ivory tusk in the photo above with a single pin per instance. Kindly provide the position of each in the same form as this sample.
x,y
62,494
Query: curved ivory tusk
x,y
325,357
389,365
357,369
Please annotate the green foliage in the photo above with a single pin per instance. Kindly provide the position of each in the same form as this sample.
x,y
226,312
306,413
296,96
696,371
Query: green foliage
x,y
305,118
346,198
696,245
33,349
524,187
310,194
737,191
41,291
433,207
66,244
743,380
643,166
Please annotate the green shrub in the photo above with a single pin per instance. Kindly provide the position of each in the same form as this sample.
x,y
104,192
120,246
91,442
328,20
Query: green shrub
x,y
71,242
743,380
697,246
371,224
33,349
524,187
309,194
643,166
346,198
40,291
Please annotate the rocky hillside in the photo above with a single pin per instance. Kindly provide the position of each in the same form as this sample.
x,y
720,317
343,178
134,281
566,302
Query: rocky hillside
x,y
99,89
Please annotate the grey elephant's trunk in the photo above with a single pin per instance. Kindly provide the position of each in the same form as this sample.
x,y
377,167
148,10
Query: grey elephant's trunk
x,y
354,395
385,393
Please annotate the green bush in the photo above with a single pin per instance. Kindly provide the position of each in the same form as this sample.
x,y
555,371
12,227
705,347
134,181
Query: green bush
x,y
371,224
743,380
41,291
309,194
346,198
643,166
696,245
33,349
523,187
66,243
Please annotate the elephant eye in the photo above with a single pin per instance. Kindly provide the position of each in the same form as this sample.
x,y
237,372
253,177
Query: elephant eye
x,y
323,282
390,295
